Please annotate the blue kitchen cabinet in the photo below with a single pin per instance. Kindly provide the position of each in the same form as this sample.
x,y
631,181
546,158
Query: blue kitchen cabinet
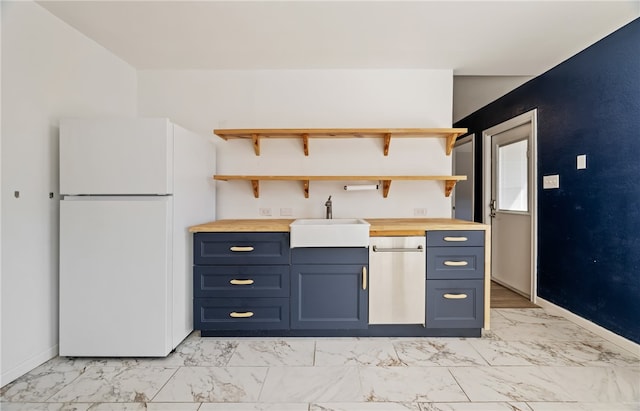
x,y
240,282
329,289
455,279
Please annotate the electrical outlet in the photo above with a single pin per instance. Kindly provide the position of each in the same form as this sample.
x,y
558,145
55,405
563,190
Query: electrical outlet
x,y
420,212
552,181
286,212
265,212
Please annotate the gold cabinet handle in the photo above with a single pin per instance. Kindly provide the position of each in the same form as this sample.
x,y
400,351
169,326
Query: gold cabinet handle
x,y
456,239
245,314
456,263
455,296
236,249
241,282
364,277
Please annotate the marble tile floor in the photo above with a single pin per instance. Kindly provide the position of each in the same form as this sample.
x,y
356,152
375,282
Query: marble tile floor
x,y
530,360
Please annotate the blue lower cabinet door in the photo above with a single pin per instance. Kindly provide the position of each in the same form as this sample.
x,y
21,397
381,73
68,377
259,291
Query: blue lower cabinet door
x,y
329,296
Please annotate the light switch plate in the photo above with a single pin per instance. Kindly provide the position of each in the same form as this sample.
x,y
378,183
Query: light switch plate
x,y
581,162
552,181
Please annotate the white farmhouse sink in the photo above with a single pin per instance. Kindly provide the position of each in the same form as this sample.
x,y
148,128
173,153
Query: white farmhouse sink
x,y
336,232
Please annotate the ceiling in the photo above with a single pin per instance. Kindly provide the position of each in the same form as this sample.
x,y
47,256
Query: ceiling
x,y
471,37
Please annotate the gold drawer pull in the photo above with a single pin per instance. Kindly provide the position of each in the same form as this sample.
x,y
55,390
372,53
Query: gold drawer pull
x,y
236,248
245,314
455,296
241,282
456,263
456,239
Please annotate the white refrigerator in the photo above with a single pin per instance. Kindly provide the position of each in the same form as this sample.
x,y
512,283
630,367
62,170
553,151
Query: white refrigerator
x,y
130,189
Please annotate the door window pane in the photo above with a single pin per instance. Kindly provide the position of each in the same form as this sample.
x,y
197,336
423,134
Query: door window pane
x,y
513,177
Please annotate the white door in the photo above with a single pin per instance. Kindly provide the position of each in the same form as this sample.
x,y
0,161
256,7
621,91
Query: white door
x,y
510,209
115,276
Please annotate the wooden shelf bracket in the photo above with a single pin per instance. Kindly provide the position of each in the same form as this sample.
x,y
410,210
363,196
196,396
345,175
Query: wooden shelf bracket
x,y
448,187
256,143
387,143
386,185
255,184
451,142
305,185
305,144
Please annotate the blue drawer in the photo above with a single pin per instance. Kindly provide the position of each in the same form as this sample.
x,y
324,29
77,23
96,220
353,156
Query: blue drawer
x,y
455,238
241,314
232,281
241,248
455,304
455,262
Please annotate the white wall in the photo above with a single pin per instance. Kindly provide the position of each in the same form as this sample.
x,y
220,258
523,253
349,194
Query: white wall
x,y
471,93
49,71
204,100
1,379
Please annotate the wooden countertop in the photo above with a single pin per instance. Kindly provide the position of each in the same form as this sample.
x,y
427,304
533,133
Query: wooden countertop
x,y
379,226
257,225
417,226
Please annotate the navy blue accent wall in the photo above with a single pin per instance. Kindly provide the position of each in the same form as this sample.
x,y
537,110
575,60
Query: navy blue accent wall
x,y
589,228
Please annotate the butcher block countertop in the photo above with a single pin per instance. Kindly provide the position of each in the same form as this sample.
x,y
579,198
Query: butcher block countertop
x,y
379,226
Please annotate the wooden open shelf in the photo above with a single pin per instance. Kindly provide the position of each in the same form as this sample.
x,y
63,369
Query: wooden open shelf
x,y
449,181
304,134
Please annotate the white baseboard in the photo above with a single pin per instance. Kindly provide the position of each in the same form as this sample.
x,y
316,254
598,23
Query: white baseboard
x,y
594,328
24,367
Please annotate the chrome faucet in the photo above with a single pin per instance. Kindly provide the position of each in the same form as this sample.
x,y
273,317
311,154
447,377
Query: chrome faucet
x,y
329,206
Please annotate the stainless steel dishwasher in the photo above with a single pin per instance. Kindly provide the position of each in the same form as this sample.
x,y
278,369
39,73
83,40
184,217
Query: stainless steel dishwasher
x,y
397,270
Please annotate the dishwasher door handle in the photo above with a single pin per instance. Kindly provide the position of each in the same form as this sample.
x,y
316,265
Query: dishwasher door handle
x,y
419,249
